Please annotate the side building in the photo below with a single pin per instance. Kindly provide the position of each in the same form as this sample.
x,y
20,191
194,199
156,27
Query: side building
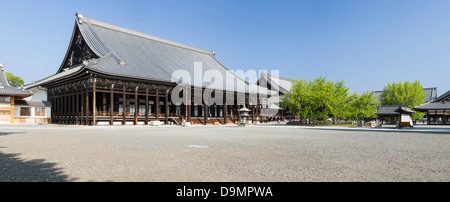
x,y
17,105
438,110
387,113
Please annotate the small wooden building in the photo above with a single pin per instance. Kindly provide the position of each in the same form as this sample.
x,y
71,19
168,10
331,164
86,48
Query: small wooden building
x,y
388,114
404,117
438,110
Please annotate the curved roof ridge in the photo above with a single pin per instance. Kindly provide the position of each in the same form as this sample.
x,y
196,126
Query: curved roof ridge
x,y
143,35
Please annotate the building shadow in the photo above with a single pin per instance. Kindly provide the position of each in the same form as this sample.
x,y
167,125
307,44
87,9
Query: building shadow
x,y
10,133
381,130
15,169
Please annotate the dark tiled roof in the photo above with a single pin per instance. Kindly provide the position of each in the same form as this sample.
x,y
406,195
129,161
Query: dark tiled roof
x,y
388,110
34,103
442,102
5,89
444,96
430,94
434,105
131,54
403,109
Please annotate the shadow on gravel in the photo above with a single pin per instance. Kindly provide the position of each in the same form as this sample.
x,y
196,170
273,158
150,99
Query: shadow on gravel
x,y
15,169
10,133
442,132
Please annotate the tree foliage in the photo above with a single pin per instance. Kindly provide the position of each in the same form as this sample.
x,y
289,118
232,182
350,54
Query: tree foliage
x,y
14,81
408,93
321,99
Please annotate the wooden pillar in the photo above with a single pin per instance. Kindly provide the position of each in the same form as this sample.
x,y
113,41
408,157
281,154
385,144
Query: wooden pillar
x,y
225,109
238,113
82,108
63,108
146,106
258,117
71,104
158,108
12,108
77,108
136,103
58,108
444,120
111,106
94,106
206,113
104,104
166,102
87,107
74,114
124,106
253,113
66,108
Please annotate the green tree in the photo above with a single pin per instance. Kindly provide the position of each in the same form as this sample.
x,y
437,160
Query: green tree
x,y
321,99
362,106
14,81
408,93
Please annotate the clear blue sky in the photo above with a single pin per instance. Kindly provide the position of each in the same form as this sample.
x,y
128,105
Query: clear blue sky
x,y
367,44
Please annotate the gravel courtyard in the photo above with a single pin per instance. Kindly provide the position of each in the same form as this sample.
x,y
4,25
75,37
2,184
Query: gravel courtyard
x,y
220,153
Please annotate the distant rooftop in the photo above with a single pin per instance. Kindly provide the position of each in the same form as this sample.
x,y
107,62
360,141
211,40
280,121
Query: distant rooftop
x,y
430,94
5,89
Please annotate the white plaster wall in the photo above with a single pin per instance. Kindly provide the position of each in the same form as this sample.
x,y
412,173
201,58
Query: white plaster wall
x,y
5,105
17,113
37,95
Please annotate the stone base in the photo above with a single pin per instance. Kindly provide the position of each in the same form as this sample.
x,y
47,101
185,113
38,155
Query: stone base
x,y
244,125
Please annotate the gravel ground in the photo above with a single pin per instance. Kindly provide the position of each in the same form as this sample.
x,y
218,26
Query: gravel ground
x,y
220,153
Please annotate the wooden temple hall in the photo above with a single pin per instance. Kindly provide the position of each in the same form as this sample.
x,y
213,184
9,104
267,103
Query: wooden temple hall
x,y
115,76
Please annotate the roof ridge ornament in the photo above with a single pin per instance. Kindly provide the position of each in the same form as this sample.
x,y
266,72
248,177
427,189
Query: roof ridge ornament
x,y
79,18
122,62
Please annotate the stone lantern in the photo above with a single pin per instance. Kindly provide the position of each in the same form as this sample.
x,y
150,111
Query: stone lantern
x,y
290,116
244,114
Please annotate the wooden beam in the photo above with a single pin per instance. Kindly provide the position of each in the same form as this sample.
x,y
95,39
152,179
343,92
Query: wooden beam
x,y
119,91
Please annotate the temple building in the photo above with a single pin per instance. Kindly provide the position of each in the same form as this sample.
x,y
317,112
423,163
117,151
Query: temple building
x,y
16,105
115,76
438,110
